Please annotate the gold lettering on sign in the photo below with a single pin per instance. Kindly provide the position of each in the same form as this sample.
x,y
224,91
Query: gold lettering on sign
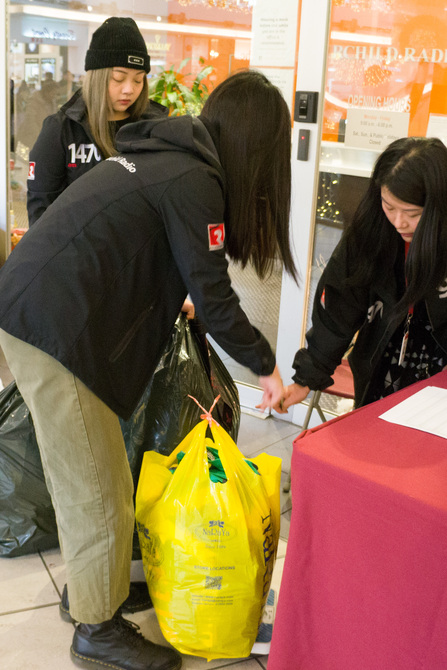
x,y
157,45
409,54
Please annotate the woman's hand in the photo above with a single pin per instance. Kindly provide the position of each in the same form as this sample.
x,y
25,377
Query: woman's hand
x,y
188,308
273,390
293,395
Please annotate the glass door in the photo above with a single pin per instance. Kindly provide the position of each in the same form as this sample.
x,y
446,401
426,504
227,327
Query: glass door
x,y
386,77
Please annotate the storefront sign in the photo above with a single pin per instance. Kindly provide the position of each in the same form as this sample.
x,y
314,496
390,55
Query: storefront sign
x,y
372,129
157,45
389,57
46,35
42,30
387,54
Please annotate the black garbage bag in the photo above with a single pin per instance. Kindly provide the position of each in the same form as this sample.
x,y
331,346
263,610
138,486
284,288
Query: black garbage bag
x,y
27,520
164,415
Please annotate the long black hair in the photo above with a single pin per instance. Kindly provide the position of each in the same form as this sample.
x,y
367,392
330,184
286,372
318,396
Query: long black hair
x,y
414,170
250,123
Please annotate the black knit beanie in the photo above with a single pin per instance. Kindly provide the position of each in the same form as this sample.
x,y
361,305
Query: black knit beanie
x,y
117,43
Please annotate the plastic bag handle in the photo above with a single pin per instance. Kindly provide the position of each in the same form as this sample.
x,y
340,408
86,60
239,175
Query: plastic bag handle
x,y
195,448
207,415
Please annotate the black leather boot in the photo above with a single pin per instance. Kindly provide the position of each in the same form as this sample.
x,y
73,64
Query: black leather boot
x,y
137,600
118,645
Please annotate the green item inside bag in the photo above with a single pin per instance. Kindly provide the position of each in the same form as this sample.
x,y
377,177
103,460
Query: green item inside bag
x,y
217,472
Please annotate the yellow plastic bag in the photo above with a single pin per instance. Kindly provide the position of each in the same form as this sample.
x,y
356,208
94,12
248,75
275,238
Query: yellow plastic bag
x,y
209,548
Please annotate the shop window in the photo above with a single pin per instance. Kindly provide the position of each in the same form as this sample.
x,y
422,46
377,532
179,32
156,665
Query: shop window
x,y
188,37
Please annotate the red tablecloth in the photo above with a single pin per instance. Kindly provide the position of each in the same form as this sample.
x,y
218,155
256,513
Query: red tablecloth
x,y
364,585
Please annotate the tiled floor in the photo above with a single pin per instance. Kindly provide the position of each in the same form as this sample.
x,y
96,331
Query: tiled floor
x,y
34,637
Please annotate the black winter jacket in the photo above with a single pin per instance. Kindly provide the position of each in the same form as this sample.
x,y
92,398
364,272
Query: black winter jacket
x,y
63,151
98,281
340,311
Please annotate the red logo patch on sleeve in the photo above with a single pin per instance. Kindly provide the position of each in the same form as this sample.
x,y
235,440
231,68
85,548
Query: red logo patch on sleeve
x,y
216,236
323,299
31,170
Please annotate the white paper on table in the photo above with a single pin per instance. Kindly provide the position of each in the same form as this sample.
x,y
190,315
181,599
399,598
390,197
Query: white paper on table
x,y
425,410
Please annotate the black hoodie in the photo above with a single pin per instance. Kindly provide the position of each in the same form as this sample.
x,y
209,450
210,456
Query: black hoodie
x,y
64,151
99,280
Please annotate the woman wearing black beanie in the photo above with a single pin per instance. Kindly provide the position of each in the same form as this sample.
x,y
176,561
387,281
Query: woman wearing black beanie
x,y
82,132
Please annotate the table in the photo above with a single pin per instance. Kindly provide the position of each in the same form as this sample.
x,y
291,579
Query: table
x,y
364,585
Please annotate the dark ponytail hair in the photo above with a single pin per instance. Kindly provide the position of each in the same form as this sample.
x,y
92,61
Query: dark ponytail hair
x,y
250,123
414,170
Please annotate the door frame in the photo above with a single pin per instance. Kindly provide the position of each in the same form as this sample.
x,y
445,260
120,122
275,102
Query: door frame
x,y
310,76
4,136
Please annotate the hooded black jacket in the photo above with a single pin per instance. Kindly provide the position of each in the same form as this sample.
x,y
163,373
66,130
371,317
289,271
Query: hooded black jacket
x,y
63,151
339,311
98,281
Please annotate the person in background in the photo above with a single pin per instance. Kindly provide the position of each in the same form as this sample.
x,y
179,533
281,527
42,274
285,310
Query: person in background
x,y
82,132
88,300
21,100
66,88
41,104
385,283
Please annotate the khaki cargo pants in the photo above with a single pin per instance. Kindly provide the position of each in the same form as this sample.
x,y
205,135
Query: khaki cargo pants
x,y
88,476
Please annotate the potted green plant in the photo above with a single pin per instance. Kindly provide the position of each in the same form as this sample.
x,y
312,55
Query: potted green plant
x,y
168,88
